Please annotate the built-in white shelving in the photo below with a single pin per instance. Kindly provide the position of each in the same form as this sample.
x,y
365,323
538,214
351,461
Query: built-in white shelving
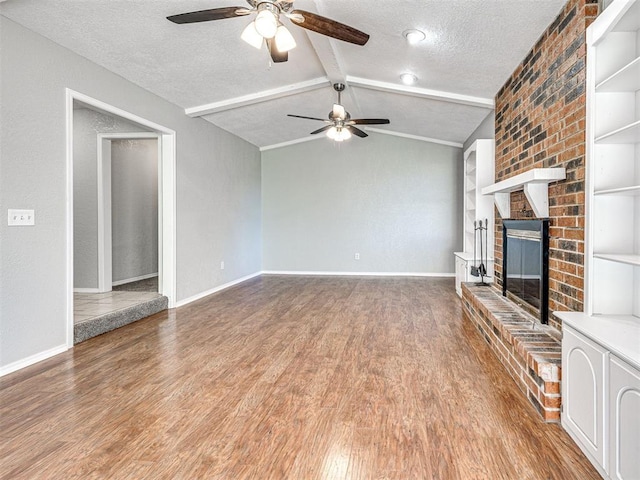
x,y
633,191
601,346
627,134
479,171
626,259
623,80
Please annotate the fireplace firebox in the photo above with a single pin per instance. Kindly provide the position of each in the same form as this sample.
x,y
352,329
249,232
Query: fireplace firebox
x,y
525,265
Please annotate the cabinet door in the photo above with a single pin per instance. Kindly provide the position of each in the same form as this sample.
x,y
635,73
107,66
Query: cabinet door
x,y
461,273
582,393
624,420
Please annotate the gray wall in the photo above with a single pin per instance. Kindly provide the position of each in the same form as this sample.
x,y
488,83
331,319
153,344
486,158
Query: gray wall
x,y
486,129
134,208
87,124
395,201
218,189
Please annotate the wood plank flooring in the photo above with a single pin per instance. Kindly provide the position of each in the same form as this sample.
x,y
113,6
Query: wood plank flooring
x,y
284,378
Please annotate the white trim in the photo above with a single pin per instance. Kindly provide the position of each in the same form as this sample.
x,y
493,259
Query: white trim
x,y
200,295
104,200
87,290
167,241
167,199
38,357
292,142
110,109
257,97
69,214
414,137
134,279
357,274
421,92
104,214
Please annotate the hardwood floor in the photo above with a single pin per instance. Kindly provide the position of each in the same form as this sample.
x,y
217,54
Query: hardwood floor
x,y
284,378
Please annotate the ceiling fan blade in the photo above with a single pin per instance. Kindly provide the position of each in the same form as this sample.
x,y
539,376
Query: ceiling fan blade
x,y
356,131
326,26
308,118
320,130
276,55
369,121
207,15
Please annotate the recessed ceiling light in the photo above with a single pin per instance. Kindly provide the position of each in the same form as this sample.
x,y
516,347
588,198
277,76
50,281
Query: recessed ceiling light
x,y
408,78
414,36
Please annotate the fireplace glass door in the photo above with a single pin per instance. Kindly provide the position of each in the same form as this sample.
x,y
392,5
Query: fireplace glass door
x,y
525,264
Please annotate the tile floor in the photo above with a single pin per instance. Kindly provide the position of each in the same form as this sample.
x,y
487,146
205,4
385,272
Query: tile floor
x,y
90,305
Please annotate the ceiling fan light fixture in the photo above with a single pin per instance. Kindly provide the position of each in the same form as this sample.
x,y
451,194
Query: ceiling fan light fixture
x,y
414,36
266,23
339,134
251,36
408,78
284,39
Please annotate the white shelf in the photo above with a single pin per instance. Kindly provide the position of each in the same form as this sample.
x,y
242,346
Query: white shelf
x,y
627,79
517,182
618,333
627,134
630,22
633,190
629,259
535,184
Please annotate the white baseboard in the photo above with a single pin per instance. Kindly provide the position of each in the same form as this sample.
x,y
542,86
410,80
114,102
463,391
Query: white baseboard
x,y
86,290
357,274
134,279
200,295
38,357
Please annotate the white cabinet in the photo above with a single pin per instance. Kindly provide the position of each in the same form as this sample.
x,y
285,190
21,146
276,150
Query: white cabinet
x,y
479,171
583,366
464,262
601,391
624,420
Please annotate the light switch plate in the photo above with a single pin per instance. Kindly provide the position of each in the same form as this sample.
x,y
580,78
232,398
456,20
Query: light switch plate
x,y
21,217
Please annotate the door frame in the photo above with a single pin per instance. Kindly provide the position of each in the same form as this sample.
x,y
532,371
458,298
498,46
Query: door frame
x,y
105,271
166,198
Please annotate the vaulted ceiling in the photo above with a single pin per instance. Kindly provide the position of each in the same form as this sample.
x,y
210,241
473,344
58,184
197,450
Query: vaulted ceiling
x,y
471,48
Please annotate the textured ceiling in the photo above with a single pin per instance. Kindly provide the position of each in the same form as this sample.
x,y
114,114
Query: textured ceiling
x,y
472,46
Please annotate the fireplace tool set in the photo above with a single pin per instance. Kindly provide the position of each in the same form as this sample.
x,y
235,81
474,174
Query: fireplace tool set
x,y
480,269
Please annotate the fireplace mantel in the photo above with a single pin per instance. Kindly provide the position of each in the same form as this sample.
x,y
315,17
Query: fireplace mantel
x,y
535,184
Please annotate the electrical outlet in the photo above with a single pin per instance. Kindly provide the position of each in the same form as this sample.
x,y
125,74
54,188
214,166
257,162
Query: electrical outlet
x,y
222,265
356,256
21,217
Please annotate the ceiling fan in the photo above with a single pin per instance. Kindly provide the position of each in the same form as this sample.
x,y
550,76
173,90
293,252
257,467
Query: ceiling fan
x,y
268,27
340,125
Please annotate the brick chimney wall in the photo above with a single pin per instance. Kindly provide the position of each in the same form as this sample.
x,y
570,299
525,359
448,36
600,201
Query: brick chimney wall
x,y
540,122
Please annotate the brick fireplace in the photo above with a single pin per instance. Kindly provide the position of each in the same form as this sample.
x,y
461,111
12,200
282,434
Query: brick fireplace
x,y
540,123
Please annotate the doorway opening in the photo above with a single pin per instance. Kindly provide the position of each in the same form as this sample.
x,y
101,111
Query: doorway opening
x,y
121,217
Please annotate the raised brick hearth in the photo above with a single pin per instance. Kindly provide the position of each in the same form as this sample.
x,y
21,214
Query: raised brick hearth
x,y
531,356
